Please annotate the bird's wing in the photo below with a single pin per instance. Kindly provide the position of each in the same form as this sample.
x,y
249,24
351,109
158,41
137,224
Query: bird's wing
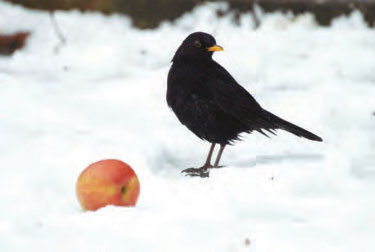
x,y
236,101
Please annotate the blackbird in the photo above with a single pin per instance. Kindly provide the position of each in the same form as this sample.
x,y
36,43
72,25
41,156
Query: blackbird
x,y
210,102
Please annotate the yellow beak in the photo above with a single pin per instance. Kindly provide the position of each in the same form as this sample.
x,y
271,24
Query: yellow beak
x,y
215,48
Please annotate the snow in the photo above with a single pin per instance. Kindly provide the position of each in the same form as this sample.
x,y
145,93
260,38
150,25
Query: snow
x,y
103,96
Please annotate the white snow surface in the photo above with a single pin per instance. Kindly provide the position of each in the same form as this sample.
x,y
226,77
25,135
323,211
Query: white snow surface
x,y
102,95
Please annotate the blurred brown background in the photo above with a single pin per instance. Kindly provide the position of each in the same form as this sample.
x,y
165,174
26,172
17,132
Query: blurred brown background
x,y
149,13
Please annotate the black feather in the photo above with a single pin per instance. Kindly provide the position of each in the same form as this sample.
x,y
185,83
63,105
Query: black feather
x,y
294,129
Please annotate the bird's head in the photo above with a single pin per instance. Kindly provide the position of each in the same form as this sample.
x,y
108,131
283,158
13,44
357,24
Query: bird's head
x,y
198,46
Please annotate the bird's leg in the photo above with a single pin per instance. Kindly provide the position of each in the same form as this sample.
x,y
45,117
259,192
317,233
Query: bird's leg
x,y
216,165
202,171
207,164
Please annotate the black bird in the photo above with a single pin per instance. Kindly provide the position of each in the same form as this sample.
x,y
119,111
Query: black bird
x,y
210,102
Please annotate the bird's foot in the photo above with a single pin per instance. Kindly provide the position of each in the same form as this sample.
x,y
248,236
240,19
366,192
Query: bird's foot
x,y
202,172
218,167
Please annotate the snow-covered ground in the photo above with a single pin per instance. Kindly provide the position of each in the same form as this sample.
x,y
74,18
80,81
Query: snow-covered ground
x,y
103,96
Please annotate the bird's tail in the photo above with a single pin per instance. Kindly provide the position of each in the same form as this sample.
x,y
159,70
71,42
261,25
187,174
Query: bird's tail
x,y
294,129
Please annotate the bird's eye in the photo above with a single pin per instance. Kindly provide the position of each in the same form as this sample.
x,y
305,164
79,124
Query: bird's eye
x,y
197,44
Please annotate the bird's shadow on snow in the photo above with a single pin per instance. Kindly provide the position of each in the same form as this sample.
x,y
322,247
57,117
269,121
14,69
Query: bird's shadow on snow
x,y
293,157
169,162
281,158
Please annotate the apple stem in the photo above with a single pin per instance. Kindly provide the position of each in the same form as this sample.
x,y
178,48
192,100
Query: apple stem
x,y
123,190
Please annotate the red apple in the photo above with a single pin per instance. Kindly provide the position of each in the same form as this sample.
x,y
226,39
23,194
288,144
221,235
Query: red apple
x,y
107,182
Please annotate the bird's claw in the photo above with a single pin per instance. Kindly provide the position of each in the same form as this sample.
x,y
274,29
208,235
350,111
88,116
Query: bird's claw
x,y
202,174
198,172
218,167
